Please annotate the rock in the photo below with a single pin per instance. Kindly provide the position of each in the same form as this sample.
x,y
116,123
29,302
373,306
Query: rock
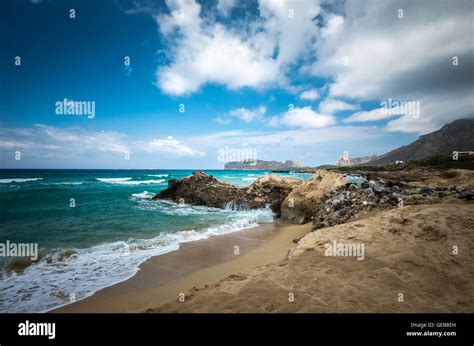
x,y
308,194
202,189
426,190
396,188
364,203
467,195
369,192
336,203
353,187
376,187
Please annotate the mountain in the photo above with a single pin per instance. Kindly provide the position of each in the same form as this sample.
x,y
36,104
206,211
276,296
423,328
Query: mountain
x,y
363,159
288,165
456,136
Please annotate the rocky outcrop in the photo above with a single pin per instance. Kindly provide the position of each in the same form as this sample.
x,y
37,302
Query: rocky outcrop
x,y
353,201
202,189
297,208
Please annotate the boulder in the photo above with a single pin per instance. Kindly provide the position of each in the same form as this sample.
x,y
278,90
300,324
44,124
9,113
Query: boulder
x,y
298,206
203,189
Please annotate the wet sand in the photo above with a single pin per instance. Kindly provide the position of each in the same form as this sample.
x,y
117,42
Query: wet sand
x,y
196,264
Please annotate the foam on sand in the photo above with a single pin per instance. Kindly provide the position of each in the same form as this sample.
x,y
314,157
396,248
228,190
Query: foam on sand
x,y
49,283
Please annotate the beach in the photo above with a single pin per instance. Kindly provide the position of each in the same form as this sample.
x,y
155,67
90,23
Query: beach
x,y
196,264
409,266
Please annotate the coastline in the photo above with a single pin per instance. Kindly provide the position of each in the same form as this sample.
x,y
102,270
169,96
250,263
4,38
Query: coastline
x,y
200,263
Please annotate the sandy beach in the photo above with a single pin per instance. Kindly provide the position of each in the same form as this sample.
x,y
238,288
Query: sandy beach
x,y
411,258
195,265
408,251
409,266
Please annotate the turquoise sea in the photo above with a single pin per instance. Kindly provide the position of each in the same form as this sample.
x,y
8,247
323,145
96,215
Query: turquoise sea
x,y
94,227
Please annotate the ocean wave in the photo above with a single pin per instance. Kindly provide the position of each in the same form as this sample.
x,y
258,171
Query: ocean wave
x,y
18,180
143,195
112,180
157,175
175,209
140,182
51,282
66,183
249,179
128,181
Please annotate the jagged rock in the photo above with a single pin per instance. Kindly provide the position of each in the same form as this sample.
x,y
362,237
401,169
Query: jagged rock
x,y
202,189
426,190
369,192
336,203
467,195
298,206
375,185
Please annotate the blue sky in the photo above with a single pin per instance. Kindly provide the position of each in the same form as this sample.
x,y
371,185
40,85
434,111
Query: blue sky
x,y
298,79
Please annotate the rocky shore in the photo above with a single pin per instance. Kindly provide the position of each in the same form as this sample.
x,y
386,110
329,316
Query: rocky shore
x,y
326,199
202,189
416,229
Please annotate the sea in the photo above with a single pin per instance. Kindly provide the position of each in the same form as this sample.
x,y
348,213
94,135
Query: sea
x,y
93,228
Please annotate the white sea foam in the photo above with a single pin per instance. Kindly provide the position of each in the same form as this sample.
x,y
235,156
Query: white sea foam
x,y
66,183
157,175
128,181
140,182
18,180
112,180
143,195
50,283
249,179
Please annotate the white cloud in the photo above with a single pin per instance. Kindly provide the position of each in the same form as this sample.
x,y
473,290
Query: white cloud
x,y
331,106
69,143
208,52
172,146
222,120
303,118
373,115
225,6
248,115
294,137
400,58
309,95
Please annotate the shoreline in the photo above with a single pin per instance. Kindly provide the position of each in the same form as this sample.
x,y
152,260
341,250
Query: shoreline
x,y
162,278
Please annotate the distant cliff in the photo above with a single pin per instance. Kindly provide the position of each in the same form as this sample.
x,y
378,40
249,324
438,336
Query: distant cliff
x,y
288,165
456,136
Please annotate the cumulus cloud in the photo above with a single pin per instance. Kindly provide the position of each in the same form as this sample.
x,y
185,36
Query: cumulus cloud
x,y
248,115
54,142
172,146
331,106
371,54
258,55
309,95
303,118
225,6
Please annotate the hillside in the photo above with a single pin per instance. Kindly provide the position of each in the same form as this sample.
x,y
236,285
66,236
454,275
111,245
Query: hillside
x,y
456,136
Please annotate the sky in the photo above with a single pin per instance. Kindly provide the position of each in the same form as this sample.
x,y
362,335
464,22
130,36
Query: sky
x,y
193,84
